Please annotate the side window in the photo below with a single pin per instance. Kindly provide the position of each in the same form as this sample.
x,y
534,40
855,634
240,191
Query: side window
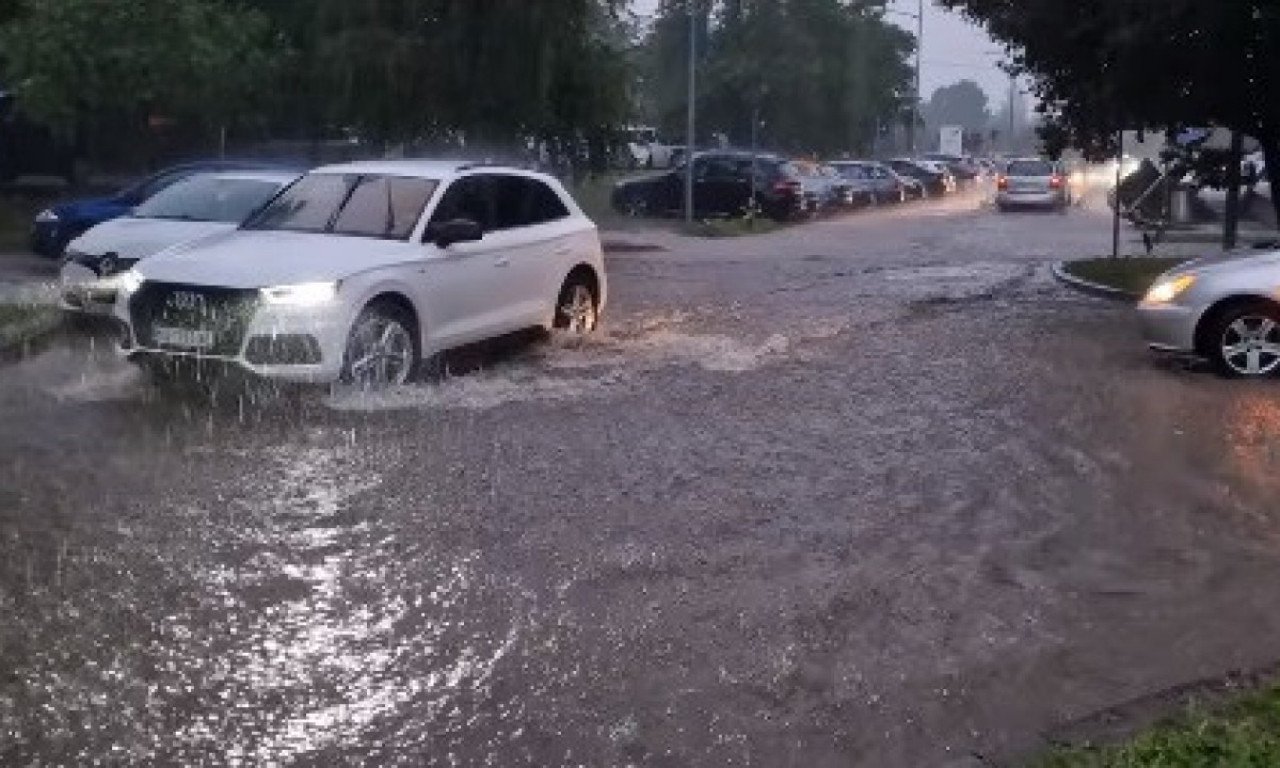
x,y
544,204
519,201
466,198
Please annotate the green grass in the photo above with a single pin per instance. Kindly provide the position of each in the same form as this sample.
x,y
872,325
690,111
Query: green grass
x,y
1245,734
1132,275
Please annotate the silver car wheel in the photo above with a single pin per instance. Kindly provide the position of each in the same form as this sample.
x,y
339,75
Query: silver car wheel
x,y
1251,346
576,312
380,352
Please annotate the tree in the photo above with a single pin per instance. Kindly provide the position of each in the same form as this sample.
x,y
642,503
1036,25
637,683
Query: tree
x,y
820,74
1101,66
106,68
963,103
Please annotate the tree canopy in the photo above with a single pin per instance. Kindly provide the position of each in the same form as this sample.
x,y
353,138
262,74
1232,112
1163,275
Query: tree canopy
x,y
963,103
822,74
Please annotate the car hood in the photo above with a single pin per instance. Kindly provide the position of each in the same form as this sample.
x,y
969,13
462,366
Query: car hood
x,y
91,209
249,259
131,238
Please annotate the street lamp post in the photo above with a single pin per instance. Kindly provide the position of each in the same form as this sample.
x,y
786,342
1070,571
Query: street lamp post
x,y
691,127
915,106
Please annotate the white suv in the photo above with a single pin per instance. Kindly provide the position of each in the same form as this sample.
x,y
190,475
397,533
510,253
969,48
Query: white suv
x,y
365,272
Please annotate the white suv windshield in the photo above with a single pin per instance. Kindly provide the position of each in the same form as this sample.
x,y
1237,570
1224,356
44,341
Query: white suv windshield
x,y
385,207
209,198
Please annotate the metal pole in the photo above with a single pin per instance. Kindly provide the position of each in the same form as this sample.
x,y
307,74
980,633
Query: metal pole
x,y
755,144
1013,95
1115,224
691,128
915,106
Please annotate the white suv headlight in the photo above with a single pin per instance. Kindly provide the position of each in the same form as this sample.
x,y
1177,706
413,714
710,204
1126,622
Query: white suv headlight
x,y
129,282
1167,290
302,295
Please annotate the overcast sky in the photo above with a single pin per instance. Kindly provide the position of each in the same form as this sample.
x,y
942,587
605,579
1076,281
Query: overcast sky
x,y
953,50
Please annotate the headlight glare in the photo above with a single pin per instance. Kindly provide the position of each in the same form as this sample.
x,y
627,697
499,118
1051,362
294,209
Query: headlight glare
x,y
1169,289
130,281
302,295
47,216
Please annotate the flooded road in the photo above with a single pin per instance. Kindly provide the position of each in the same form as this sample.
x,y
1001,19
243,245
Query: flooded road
x,y
869,492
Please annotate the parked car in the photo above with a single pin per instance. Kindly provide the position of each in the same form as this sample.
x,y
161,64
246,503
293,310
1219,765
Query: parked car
x,y
196,207
1222,309
934,182
963,168
366,272
949,181
877,183
824,189
1032,183
58,225
29,149
723,184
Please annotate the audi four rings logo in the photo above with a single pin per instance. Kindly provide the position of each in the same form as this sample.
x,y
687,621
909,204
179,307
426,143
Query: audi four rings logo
x,y
187,301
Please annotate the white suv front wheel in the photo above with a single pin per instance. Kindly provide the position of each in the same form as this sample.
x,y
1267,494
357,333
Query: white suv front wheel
x,y
577,309
382,350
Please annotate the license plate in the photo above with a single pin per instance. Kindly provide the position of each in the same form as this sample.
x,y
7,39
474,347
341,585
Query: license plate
x,y
187,338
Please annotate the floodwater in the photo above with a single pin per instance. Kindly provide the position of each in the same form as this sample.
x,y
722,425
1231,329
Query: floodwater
x,y
868,492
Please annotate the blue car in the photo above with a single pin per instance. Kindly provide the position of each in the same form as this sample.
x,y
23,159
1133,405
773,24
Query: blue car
x,y
56,226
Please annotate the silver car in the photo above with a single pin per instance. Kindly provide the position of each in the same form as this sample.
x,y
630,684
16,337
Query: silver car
x,y
1032,183
1223,309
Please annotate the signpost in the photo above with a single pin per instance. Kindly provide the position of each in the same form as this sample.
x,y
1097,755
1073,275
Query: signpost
x,y
951,140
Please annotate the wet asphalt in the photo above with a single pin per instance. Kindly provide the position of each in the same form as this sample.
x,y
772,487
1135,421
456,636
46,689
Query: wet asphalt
x,y
873,491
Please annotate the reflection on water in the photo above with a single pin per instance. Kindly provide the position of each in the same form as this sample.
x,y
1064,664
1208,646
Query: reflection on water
x,y
1252,420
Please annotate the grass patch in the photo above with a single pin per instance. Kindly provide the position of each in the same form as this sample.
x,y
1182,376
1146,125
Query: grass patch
x,y
1132,275
22,323
15,223
1246,733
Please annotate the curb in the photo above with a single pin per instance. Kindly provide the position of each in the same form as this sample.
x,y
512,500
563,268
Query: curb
x,y
1096,290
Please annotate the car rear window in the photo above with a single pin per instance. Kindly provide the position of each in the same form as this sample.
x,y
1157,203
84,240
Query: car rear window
x,y
1030,168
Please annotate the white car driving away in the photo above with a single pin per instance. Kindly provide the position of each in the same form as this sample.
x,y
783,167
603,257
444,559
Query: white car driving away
x,y
196,207
363,272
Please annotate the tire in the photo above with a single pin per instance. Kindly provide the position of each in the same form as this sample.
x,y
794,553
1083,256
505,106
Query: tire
x,y
1251,328
578,306
382,348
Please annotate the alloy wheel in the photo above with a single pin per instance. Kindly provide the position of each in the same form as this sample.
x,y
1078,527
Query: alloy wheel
x,y
578,309
1251,346
380,353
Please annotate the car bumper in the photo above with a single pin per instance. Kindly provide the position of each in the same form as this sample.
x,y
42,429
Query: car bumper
x,y
1031,199
81,290
324,328
1169,327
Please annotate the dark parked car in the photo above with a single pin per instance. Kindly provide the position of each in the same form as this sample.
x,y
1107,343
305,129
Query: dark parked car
x,y
873,181
58,225
935,184
28,149
722,187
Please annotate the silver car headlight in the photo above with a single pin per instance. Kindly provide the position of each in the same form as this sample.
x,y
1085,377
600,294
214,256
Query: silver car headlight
x,y
301,295
129,282
47,216
1167,290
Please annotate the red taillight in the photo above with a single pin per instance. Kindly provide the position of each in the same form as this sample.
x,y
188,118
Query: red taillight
x,y
786,187
1055,182
1002,182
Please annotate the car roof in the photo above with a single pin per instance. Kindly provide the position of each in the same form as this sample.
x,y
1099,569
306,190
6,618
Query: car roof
x,y
425,169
